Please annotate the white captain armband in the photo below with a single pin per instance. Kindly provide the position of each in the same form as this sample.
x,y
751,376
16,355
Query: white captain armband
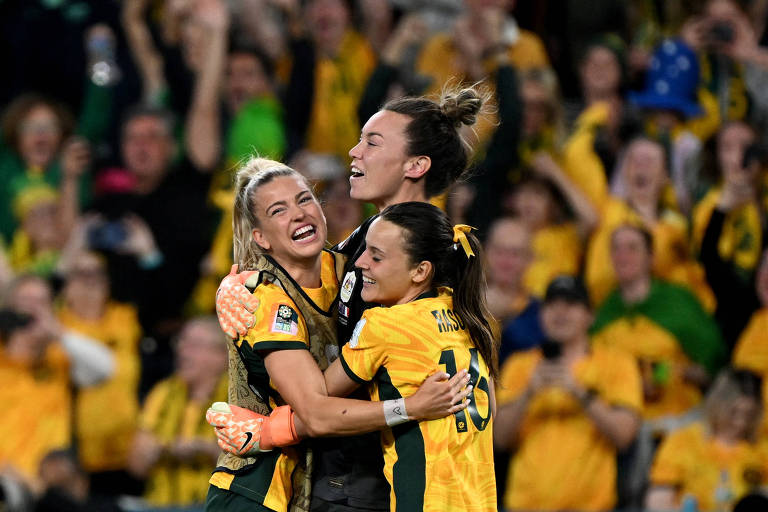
x,y
394,412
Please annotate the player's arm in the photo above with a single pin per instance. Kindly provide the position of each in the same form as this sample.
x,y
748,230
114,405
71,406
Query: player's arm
x,y
302,385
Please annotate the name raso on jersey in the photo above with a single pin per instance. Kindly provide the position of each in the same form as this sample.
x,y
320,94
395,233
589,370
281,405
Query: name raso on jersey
x,y
447,320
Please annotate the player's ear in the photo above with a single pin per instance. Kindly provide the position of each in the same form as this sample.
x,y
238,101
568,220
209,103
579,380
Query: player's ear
x,y
417,166
422,272
260,239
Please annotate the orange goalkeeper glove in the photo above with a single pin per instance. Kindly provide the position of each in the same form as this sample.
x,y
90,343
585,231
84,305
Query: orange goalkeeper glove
x,y
245,433
235,304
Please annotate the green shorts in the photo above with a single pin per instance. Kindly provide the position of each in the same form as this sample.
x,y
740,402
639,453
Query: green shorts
x,y
224,500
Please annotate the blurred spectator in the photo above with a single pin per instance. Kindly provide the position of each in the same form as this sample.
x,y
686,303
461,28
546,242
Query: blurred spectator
x,y
751,352
679,114
675,342
342,213
256,117
468,51
602,74
567,409
34,153
65,486
103,440
156,232
644,203
540,202
542,123
720,34
35,392
42,233
508,254
175,449
394,75
331,63
715,461
729,226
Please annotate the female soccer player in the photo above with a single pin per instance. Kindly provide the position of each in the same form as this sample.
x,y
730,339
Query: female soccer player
x,y
411,150
280,230
429,277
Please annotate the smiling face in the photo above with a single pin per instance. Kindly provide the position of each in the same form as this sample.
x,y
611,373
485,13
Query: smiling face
x,y
379,160
389,276
291,223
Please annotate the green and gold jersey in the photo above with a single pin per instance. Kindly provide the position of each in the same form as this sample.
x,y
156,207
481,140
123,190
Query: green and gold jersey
x,y
444,464
280,324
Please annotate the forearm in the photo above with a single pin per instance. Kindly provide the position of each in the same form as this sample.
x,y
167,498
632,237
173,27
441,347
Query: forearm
x,y
509,419
618,425
331,417
70,203
586,214
203,140
147,58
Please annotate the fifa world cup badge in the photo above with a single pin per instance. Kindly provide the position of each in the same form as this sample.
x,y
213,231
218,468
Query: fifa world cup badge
x,y
286,320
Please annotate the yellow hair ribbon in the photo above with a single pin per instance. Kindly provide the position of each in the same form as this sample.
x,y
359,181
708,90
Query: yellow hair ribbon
x,y
460,235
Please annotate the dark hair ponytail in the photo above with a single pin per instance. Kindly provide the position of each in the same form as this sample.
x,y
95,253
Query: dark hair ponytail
x,y
428,236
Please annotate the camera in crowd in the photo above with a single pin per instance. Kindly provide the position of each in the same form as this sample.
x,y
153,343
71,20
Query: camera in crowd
x,y
721,32
108,235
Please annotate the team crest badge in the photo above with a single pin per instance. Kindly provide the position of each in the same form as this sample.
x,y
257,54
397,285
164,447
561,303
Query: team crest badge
x,y
286,320
347,286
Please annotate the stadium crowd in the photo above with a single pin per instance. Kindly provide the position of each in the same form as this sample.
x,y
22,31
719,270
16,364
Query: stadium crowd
x,y
619,183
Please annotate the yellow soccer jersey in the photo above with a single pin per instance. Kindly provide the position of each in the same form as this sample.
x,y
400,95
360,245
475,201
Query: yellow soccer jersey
x,y
105,439
694,463
562,461
37,409
751,353
279,325
649,343
439,465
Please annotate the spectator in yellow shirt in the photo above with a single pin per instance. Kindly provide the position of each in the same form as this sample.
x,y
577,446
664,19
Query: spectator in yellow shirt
x,y
175,450
103,440
34,377
467,52
643,202
557,242
567,409
715,461
662,325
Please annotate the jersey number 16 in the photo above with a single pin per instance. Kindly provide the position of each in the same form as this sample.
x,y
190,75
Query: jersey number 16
x,y
449,360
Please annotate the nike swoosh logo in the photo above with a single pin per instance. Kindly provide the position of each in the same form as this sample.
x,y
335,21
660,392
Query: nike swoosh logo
x,y
248,437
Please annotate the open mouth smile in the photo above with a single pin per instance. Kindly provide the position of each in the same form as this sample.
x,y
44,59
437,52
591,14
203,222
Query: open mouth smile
x,y
304,233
